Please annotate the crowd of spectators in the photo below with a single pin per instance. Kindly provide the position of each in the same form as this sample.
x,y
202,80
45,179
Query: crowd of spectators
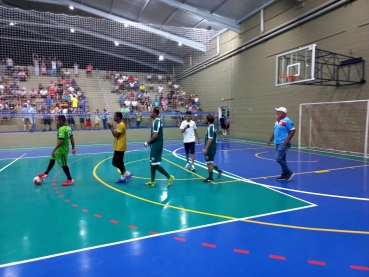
x,y
135,95
62,96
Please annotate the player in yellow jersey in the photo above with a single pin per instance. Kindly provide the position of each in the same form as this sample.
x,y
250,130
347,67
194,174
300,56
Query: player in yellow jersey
x,y
61,150
120,146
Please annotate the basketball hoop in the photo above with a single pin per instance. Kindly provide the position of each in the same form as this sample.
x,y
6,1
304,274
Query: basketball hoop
x,y
291,77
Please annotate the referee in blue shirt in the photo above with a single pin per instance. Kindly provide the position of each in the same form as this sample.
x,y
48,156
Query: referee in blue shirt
x,y
284,130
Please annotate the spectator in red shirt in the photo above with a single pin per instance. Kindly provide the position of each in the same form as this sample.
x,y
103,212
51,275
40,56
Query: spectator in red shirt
x,y
89,70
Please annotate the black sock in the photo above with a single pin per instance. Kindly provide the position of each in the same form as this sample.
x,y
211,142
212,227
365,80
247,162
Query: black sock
x,y
66,171
162,171
210,174
51,165
216,168
153,170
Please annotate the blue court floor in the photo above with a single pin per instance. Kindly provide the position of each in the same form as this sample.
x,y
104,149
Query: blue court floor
x,y
245,224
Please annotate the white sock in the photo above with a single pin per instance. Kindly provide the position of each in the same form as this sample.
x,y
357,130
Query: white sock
x,y
127,173
122,177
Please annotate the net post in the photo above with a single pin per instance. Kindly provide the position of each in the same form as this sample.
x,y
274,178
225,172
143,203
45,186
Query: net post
x,y
300,117
366,130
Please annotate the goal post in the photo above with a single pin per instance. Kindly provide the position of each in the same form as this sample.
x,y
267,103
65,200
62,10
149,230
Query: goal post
x,y
341,126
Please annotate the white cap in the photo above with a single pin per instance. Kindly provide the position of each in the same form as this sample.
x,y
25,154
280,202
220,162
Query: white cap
x,y
281,109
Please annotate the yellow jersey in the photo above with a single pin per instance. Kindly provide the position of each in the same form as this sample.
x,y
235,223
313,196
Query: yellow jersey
x,y
120,143
74,102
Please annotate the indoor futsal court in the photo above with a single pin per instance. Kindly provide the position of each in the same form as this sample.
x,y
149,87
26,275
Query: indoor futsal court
x,y
244,222
274,92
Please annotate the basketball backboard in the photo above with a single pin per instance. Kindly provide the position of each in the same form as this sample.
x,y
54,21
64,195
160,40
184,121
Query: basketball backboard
x,y
296,66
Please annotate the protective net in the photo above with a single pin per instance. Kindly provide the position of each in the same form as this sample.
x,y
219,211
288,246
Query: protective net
x,y
336,126
55,63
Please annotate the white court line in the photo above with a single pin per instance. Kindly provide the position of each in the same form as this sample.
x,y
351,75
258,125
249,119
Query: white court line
x,y
299,151
236,177
79,145
111,152
147,237
12,162
321,194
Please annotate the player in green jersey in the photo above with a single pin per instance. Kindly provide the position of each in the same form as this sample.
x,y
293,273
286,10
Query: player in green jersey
x,y
61,150
156,143
210,148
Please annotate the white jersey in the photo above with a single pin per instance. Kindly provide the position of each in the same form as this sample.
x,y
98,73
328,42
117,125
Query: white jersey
x,y
189,134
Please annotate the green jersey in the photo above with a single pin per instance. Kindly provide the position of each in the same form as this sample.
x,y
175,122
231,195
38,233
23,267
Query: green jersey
x,y
64,132
157,127
211,133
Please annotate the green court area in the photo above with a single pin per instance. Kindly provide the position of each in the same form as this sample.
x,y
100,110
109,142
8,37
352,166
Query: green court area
x,y
39,220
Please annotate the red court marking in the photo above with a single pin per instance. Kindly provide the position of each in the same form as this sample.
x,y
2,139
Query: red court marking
x,y
208,245
132,227
75,205
241,251
114,221
67,200
61,196
316,262
85,211
277,257
359,267
178,238
57,191
153,233
98,216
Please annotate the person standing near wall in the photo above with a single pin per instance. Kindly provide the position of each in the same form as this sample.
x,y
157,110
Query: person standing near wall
x,y
105,119
284,130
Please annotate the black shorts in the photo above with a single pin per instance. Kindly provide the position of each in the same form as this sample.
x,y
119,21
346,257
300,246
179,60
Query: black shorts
x,y
81,120
47,122
189,147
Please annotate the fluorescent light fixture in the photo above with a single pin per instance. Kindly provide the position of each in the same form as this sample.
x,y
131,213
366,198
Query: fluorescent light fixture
x,y
71,7
125,25
11,23
116,43
161,58
179,43
71,30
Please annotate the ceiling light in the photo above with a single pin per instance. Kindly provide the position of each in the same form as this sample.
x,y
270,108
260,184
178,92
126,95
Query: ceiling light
x,y
71,30
11,23
179,43
116,43
71,7
161,58
125,25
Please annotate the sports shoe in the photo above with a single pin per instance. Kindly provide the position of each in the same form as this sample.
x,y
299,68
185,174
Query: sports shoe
x,y
170,180
128,177
290,176
67,183
220,173
193,168
281,178
208,180
42,175
187,166
150,184
120,181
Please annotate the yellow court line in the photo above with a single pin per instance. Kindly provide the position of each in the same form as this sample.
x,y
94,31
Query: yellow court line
x,y
154,202
321,171
257,156
221,216
194,173
309,172
165,179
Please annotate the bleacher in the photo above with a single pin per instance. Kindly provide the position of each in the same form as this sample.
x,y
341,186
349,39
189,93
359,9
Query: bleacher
x,y
97,89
